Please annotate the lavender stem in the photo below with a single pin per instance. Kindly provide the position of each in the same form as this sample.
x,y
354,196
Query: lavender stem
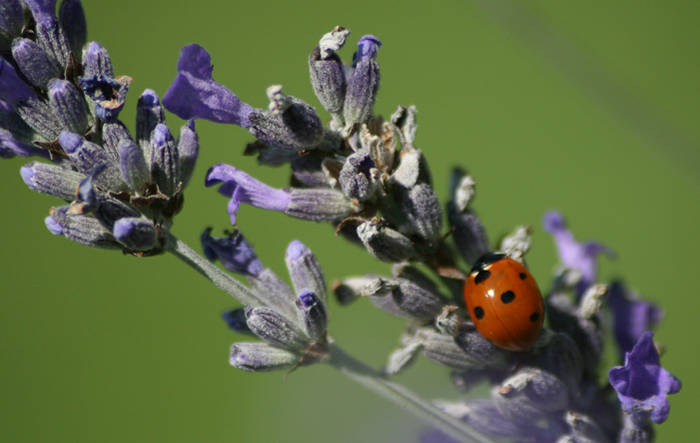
x,y
402,397
220,278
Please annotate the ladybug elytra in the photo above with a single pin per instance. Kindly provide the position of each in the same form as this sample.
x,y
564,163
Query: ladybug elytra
x,y
504,302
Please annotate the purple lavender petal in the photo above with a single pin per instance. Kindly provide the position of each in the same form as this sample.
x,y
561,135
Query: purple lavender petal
x,y
242,188
574,255
234,251
53,226
367,47
642,384
42,9
108,94
12,88
632,317
194,93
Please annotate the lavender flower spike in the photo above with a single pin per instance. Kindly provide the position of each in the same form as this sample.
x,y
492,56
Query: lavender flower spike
x,y
242,188
195,94
574,255
642,384
234,251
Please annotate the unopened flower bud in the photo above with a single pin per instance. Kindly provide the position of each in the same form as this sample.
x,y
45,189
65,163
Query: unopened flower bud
x,y
261,357
83,229
149,114
51,179
385,243
480,350
305,270
363,82
327,71
236,321
187,151
132,165
517,243
91,159
561,357
276,329
33,62
137,234
319,204
72,18
273,290
164,160
96,61
443,349
355,178
404,298
529,395
312,314
49,34
68,105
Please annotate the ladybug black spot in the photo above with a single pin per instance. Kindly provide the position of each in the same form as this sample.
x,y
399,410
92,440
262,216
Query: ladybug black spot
x,y
534,316
508,297
523,276
479,312
482,276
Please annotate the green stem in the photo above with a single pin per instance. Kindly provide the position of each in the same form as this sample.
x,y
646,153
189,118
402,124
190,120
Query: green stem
x,y
221,279
348,365
402,397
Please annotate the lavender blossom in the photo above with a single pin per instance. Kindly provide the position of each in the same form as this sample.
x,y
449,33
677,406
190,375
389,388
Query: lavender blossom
x,y
632,316
234,251
642,384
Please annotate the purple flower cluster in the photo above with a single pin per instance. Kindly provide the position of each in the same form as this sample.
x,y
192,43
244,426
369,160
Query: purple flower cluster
x,y
60,99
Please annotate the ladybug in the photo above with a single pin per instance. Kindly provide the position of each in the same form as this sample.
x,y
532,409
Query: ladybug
x,y
504,302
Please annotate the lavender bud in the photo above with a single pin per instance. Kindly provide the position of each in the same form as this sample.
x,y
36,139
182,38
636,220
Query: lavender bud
x,y
187,151
350,289
290,124
422,213
584,428
234,252
33,62
385,243
260,357
52,39
312,314
235,319
468,233
327,71
517,243
111,209
90,158
164,160
483,415
51,179
564,317
355,178
73,23
276,329
149,114
403,357
132,165
442,349
137,234
13,89
592,301
363,82
11,18
319,204
83,229
96,61
305,270
480,350
38,115
407,299
562,358
67,103
529,395
404,118
275,291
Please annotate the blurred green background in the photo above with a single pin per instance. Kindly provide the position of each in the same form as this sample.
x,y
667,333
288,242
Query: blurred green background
x,y
587,107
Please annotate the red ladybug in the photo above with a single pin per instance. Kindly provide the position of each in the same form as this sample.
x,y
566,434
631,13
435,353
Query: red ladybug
x,y
504,302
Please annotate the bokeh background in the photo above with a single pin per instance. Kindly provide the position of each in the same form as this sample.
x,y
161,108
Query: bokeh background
x,y
586,107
